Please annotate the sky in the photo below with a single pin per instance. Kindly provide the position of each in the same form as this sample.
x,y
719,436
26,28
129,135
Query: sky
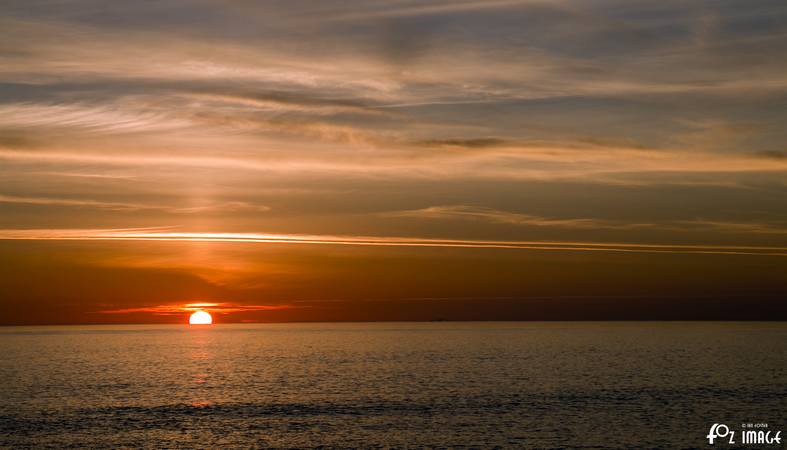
x,y
392,160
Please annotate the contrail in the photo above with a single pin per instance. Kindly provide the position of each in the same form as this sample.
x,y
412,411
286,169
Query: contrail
x,y
159,234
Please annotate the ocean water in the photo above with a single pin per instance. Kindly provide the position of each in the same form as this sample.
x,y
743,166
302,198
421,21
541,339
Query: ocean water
x,y
361,385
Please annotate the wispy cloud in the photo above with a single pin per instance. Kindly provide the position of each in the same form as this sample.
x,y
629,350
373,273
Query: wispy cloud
x,y
490,215
506,217
73,202
103,118
200,208
261,238
284,102
733,227
180,309
537,162
408,9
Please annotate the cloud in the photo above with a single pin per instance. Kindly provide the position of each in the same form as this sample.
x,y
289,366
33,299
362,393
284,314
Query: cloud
x,y
538,161
773,154
283,101
261,238
407,9
180,309
732,227
217,207
490,215
103,119
74,202
483,142
202,208
510,218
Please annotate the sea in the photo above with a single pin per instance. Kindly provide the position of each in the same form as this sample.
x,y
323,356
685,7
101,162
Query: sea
x,y
392,385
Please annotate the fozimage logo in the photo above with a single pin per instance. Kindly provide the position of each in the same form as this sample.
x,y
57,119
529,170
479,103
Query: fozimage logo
x,y
750,433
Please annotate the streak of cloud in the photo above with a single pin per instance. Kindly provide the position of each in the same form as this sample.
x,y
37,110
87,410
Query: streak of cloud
x,y
179,309
260,238
491,215
506,217
212,207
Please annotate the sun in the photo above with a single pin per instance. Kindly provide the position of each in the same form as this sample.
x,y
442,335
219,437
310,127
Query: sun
x,y
200,318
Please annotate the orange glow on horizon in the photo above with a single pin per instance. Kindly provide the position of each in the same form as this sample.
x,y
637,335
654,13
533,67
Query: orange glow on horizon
x,y
200,318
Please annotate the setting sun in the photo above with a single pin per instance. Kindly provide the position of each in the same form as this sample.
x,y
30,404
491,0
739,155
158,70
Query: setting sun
x,y
200,318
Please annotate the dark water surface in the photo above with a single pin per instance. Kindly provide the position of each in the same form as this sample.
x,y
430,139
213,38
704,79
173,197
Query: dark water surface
x,y
531,385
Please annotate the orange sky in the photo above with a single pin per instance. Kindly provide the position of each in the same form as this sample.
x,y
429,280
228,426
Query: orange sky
x,y
388,161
